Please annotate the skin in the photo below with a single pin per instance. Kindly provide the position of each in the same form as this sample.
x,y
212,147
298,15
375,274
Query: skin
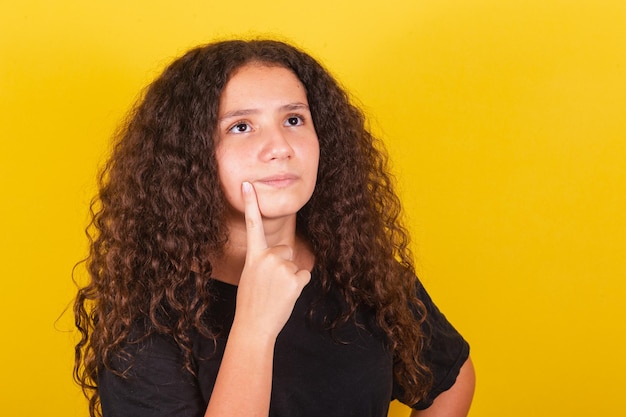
x,y
269,285
267,157
266,138
457,400
267,153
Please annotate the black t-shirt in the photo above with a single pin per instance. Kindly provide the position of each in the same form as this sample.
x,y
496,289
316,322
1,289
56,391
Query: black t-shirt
x,y
346,372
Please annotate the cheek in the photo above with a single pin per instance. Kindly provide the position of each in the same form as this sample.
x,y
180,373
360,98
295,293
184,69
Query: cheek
x,y
228,169
231,189
314,159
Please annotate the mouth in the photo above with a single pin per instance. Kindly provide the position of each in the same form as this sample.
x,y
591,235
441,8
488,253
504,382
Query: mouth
x,y
278,181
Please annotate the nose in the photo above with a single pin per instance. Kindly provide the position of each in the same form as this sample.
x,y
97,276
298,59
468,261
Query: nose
x,y
276,146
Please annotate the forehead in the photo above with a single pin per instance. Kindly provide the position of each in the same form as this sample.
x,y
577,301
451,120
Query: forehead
x,y
257,82
260,70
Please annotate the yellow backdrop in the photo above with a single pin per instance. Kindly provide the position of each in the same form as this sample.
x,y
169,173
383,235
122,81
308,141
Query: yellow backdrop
x,y
506,121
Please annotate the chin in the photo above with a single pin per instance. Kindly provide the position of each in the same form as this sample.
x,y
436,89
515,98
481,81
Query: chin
x,y
279,212
275,208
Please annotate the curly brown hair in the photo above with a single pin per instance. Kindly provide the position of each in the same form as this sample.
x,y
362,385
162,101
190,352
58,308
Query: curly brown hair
x,y
160,211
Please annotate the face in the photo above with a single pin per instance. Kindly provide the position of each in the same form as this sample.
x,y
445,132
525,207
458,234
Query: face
x,y
266,137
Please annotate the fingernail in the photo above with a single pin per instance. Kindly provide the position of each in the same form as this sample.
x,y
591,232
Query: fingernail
x,y
246,187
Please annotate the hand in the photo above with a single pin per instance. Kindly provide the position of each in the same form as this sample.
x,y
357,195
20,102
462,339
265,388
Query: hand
x,y
270,282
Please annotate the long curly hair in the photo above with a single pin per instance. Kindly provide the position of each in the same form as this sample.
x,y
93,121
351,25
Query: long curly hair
x,y
160,211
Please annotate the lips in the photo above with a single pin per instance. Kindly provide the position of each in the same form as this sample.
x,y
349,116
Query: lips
x,y
278,181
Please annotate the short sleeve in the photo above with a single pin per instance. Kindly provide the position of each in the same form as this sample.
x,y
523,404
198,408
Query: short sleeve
x,y
445,352
157,384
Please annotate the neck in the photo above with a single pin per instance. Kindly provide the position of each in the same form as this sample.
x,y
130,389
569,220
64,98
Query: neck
x,y
229,265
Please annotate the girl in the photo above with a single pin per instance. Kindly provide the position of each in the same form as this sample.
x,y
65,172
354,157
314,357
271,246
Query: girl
x,y
247,257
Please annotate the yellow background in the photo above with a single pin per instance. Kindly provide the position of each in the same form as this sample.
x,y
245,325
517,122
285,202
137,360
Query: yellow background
x,y
506,122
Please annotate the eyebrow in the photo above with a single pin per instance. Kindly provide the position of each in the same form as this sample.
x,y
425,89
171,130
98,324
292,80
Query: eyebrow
x,y
246,112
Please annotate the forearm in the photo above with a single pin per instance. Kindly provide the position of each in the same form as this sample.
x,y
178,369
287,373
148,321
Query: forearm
x,y
456,401
244,381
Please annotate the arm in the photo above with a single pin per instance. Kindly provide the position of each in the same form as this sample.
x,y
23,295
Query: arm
x,y
456,401
269,286
246,369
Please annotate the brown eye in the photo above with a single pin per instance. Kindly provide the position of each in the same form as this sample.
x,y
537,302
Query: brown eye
x,y
240,127
294,121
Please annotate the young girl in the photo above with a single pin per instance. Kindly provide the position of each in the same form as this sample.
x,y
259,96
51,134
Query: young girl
x,y
247,257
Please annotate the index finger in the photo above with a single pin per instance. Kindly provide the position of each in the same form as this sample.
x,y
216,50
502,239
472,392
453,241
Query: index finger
x,y
255,234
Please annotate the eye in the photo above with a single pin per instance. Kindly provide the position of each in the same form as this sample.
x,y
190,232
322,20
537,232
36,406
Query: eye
x,y
294,121
240,127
